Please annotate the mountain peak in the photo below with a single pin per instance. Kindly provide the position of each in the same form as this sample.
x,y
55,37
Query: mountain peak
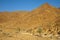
x,y
46,5
43,7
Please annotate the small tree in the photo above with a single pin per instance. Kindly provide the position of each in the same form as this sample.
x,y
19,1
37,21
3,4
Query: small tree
x,y
39,30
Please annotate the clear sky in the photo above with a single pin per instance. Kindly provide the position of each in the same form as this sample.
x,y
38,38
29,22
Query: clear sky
x,y
14,5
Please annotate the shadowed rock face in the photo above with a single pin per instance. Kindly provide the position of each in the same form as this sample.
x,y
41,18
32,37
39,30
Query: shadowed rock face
x,y
45,16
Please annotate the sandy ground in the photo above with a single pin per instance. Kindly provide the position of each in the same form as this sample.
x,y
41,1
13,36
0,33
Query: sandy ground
x,y
25,36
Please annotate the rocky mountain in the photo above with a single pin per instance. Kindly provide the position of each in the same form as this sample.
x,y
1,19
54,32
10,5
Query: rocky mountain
x,y
45,17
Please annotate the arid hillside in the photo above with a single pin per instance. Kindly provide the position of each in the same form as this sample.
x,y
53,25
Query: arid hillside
x,y
43,21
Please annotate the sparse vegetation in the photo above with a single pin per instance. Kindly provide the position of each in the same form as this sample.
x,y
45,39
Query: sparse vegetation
x,y
39,30
5,34
17,30
29,30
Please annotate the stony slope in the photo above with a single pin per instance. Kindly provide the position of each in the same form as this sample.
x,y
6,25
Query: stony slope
x,y
45,17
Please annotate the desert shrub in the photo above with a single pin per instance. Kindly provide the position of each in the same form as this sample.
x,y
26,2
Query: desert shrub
x,y
17,30
1,28
30,30
39,30
6,34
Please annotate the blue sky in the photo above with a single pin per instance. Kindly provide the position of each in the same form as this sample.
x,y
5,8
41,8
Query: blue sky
x,y
16,5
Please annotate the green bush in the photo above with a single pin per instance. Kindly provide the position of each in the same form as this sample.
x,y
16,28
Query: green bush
x,y
17,30
39,30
